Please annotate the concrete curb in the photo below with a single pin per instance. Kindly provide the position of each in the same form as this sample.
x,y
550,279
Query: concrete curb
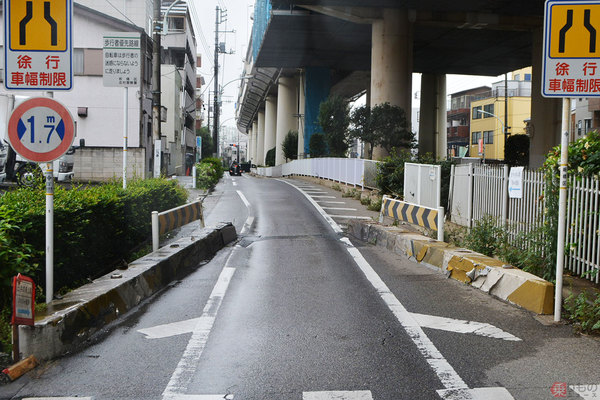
x,y
484,273
69,322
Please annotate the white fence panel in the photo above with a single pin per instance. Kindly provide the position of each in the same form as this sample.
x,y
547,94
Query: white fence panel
x,y
423,184
461,194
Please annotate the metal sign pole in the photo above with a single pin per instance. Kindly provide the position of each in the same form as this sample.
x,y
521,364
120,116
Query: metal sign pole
x,y
125,121
49,232
562,208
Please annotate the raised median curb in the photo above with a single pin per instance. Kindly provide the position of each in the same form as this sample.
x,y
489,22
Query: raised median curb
x,y
482,272
69,322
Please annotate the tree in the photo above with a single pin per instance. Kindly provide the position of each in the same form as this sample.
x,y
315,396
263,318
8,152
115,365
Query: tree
x,y
334,118
390,126
270,158
317,145
290,145
517,150
362,128
207,142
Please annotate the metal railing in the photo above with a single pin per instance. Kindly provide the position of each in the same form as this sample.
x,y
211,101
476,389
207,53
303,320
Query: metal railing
x,y
479,191
351,171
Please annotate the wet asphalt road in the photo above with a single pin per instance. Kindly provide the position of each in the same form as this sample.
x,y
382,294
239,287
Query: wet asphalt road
x,y
286,312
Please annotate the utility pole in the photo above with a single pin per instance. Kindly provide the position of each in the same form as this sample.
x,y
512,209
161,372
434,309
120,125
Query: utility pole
x,y
216,90
156,29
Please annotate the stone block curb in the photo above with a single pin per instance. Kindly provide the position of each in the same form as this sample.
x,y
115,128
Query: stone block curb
x,y
69,322
482,272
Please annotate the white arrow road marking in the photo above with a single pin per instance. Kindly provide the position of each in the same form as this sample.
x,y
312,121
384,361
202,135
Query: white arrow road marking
x,y
355,395
462,326
586,391
424,321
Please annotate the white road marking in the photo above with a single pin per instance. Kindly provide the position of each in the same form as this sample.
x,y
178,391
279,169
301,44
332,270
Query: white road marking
x,y
244,199
186,367
321,196
339,395
339,208
331,202
446,374
57,398
250,219
168,330
201,397
234,183
314,191
329,220
488,393
586,391
462,326
349,216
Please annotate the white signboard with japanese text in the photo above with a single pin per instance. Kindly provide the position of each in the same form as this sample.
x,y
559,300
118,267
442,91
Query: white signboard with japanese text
x,y
38,44
571,49
122,59
515,183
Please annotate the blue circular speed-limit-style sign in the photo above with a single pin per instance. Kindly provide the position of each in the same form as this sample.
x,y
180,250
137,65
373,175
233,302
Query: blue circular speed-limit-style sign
x,y
41,129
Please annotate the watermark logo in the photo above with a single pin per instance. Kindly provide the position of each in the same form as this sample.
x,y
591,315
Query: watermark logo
x,y
559,389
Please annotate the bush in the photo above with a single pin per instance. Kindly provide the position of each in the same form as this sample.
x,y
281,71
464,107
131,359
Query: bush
x,y
485,237
217,163
95,227
206,176
390,173
584,312
270,158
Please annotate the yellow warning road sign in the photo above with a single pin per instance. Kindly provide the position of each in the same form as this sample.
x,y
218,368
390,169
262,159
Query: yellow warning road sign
x,y
574,30
39,25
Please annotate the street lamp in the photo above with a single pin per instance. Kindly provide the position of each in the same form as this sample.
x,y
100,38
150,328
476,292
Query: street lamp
x,y
504,128
218,102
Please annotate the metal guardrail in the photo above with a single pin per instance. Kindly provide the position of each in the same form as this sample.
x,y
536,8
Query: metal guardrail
x,y
166,221
427,217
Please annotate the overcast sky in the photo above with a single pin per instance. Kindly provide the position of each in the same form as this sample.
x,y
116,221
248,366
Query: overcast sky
x,y
238,19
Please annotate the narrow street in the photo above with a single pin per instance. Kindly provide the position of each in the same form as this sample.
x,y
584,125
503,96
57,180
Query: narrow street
x,y
297,310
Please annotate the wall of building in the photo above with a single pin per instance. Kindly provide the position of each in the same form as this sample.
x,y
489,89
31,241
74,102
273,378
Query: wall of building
x,y
100,164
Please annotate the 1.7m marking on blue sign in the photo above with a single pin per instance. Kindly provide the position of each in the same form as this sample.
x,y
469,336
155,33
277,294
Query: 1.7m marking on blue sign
x,y
50,125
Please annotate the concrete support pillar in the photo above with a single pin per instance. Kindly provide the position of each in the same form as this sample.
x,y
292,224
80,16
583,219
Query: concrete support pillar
x,y
546,113
249,145
270,124
432,122
286,113
391,62
301,112
254,140
260,141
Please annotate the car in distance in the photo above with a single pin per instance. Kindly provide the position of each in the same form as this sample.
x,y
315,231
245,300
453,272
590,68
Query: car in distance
x,y
235,169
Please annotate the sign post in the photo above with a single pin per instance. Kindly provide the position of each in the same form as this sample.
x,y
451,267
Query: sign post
x,y
41,130
23,311
571,68
122,68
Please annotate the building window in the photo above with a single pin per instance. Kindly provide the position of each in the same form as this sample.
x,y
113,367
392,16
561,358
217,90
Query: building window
x,y
476,137
488,137
528,77
579,128
476,113
588,125
517,77
77,61
176,23
488,108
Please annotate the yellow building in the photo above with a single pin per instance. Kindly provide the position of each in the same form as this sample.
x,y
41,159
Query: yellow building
x,y
488,115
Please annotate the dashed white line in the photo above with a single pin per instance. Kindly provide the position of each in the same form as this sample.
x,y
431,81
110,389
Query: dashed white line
x,y
338,395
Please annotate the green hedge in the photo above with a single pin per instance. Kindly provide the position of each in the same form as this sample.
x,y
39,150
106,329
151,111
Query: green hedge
x,y
208,172
94,228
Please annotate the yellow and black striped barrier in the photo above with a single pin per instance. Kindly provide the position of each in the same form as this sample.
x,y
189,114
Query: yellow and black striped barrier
x,y
427,217
174,218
